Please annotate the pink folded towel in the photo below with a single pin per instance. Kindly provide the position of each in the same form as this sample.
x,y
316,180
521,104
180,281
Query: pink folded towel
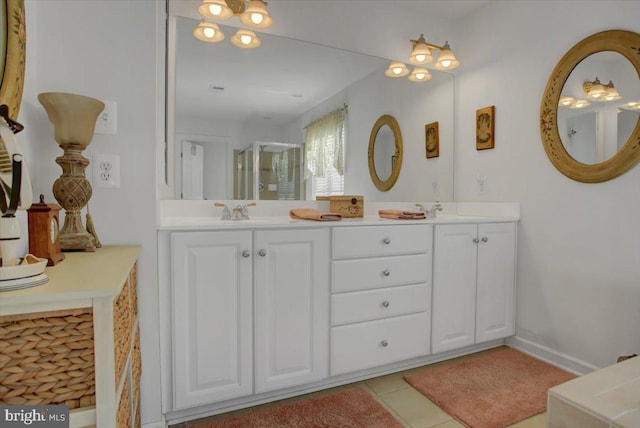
x,y
316,215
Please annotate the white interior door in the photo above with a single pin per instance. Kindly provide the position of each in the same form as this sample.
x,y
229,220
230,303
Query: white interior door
x,y
192,170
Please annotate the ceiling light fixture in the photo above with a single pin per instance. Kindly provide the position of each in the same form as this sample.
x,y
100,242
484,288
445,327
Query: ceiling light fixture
x,y
421,54
254,15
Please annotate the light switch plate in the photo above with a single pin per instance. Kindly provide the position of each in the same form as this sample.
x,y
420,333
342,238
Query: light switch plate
x,y
107,122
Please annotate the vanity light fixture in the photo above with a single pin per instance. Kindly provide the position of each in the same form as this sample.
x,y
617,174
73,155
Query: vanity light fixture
x,y
612,93
421,54
254,15
594,90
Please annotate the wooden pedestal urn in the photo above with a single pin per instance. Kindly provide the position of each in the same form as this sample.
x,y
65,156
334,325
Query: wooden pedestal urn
x,y
74,119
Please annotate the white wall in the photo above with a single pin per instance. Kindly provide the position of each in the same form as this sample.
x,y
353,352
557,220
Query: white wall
x,y
579,276
578,271
106,50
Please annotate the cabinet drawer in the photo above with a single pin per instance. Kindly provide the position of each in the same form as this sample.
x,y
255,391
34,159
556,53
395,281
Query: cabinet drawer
x,y
363,274
371,241
374,343
381,303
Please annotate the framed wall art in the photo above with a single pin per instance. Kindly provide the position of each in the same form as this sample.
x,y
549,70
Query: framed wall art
x,y
485,121
432,140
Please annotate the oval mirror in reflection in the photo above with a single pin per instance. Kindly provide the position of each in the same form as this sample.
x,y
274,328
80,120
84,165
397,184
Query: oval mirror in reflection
x,y
385,152
599,107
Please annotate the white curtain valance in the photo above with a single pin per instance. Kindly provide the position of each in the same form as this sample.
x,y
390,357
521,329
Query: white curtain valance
x,y
324,144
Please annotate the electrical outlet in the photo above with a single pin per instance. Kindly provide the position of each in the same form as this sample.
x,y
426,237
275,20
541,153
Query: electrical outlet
x,y
106,171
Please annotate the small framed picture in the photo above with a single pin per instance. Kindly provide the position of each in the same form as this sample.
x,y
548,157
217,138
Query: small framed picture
x,y
485,120
432,140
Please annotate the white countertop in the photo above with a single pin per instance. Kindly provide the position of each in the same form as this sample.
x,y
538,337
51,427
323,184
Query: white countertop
x,y
202,215
80,276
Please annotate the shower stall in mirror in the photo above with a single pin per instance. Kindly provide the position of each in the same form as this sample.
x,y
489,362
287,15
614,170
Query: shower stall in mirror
x,y
269,171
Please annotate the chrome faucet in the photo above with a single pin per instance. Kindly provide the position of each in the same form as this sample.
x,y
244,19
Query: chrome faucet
x,y
431,212
240,212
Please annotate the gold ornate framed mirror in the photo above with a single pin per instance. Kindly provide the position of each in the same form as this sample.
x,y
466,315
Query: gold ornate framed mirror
x,y
385,152
12,58
622,158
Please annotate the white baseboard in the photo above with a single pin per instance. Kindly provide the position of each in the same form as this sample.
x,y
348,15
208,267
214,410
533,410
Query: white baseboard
x,y
551,356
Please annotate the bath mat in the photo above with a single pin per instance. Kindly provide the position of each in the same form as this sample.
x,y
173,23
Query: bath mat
x,y
491,391
353,408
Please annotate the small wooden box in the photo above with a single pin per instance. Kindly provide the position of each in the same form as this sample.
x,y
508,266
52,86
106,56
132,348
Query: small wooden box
x,y
348,205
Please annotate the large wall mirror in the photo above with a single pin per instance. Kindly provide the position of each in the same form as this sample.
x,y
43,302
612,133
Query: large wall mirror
x,y
590,113
231,111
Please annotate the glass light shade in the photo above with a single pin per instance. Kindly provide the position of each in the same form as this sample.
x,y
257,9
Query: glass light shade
x,y
611,92
397,69
246,39
594,90
566,101
580,104
216,9
420,74
208,32
256,15
421,53
446,60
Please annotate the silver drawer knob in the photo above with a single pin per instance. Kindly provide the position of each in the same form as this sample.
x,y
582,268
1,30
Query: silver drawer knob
x,y
384,343
385,304
476,240
387,241
386,272
246,253
262,253
485,239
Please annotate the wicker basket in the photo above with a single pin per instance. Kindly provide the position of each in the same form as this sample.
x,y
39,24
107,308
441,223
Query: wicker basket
x,y
123,415
122,329
48,358
136,367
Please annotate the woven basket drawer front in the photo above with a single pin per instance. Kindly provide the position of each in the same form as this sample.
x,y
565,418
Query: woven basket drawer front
x,y
380,303
136,367
123,415
375,343
48,358
351,275
122,329
133,285
372,241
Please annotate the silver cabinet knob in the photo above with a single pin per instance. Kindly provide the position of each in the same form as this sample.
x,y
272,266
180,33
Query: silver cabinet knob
x,y
386,272
262,253
476,240
385,304
387,241
246,253
485,239
384,343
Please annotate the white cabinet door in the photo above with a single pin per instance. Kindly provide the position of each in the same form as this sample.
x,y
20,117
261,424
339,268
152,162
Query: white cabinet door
x,y
454,287
496,281
292,307
212,317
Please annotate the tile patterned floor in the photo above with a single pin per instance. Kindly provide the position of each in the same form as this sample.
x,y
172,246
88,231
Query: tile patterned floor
x,y
410,407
